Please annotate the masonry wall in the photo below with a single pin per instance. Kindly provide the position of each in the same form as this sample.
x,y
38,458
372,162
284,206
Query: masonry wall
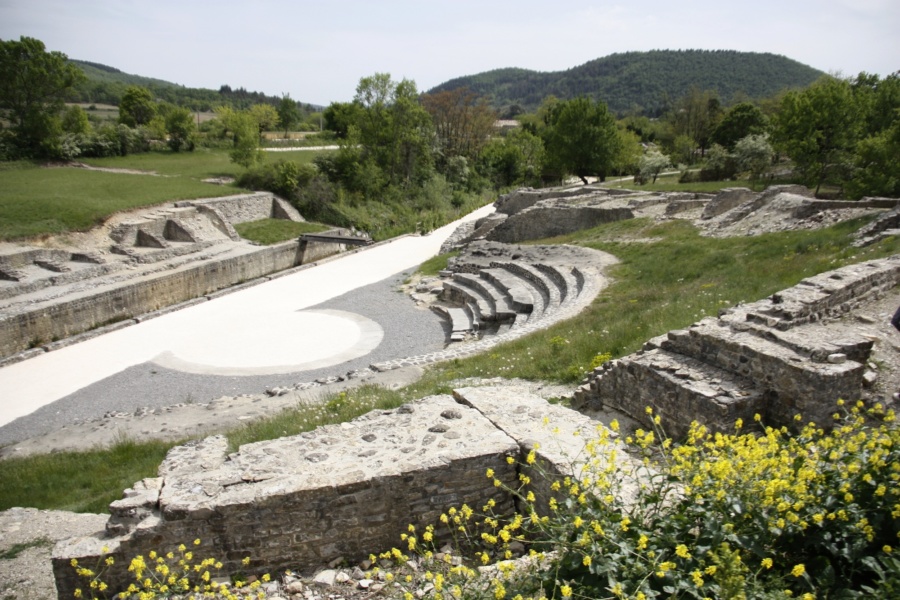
x,y
343,491
249,207
537,223
95,308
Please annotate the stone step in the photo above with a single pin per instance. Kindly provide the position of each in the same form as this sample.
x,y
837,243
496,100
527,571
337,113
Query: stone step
x,y
518,291
461,323
460,293
548,290
814,340
500,307
826,295
802,385
680,389
564,280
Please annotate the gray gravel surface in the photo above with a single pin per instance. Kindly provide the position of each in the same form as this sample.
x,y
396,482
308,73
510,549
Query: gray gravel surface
x,y
408,331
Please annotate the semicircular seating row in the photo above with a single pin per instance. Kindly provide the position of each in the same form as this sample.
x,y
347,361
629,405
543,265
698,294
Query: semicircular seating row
x,y
485,306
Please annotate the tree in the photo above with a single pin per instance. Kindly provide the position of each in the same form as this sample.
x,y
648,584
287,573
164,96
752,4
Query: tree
x,y
33,85
652,163
696,115
516,159
75,120
180,128
266,117
288,114
877,169
245,133
394,131
582,138
137,106
754,153
462,120
818,129
340,116
740,121
630,152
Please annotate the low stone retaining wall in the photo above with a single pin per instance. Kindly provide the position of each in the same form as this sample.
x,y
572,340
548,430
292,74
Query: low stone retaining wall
x,y
341,491
100,306
543,222
248,207
519,200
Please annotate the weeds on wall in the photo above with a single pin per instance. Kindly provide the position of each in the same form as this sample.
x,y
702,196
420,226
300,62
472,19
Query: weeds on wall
x,y
757,513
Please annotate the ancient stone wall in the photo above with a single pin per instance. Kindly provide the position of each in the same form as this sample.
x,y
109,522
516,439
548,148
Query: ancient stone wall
x,y
341,491
248,207
543,222
519,200
773,357
94,307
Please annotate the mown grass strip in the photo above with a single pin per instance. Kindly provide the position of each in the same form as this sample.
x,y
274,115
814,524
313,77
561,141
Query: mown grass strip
x,y
78,481
273,231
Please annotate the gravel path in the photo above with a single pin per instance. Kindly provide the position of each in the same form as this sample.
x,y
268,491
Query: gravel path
x,y
408,330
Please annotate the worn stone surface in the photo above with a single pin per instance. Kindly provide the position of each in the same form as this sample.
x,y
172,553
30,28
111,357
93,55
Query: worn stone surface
x,y
300,502
27,575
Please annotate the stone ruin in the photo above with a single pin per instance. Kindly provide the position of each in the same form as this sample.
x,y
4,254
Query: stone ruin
x,y
337,493
157,260
775,357
344,491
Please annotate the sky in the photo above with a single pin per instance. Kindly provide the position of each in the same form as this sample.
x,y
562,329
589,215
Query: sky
x,y
317,51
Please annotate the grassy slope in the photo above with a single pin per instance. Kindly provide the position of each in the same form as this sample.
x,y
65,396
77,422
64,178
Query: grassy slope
x,y
660,285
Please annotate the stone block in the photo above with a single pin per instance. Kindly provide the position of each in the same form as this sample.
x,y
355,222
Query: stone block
x,y
299,502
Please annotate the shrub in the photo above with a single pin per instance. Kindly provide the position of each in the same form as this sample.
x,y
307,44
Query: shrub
x,y
741,515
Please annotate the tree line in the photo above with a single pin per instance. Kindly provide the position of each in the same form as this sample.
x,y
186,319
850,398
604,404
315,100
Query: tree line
x,y
107,85
396,143
642,82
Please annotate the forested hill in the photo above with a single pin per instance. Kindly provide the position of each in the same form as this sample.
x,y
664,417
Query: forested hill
x,y
105,85
646,81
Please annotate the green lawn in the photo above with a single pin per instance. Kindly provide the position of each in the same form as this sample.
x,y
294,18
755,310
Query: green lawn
x,y
36,201
272,231
669,183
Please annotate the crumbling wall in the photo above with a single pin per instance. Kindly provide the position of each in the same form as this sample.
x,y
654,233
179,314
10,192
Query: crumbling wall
x,y
540,222
302,501
773,357
94,307
341,491
248,207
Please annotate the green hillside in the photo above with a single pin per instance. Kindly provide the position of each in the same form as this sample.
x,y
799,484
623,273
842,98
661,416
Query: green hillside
x,y
105,85
646,81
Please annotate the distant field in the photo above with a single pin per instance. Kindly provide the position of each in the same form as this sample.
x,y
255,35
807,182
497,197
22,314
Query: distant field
x,y
273,231
36,201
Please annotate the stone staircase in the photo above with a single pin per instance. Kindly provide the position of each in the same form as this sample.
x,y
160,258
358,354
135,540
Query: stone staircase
x,y
774,358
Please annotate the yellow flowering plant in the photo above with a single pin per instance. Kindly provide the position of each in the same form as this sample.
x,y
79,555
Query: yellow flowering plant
x,y
172,574
757,513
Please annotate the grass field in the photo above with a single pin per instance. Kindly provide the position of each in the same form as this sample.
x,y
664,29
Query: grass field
x,y
667,283
36,201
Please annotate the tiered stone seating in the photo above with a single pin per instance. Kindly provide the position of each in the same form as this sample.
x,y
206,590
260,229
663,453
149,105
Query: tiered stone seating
x,y
506,295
